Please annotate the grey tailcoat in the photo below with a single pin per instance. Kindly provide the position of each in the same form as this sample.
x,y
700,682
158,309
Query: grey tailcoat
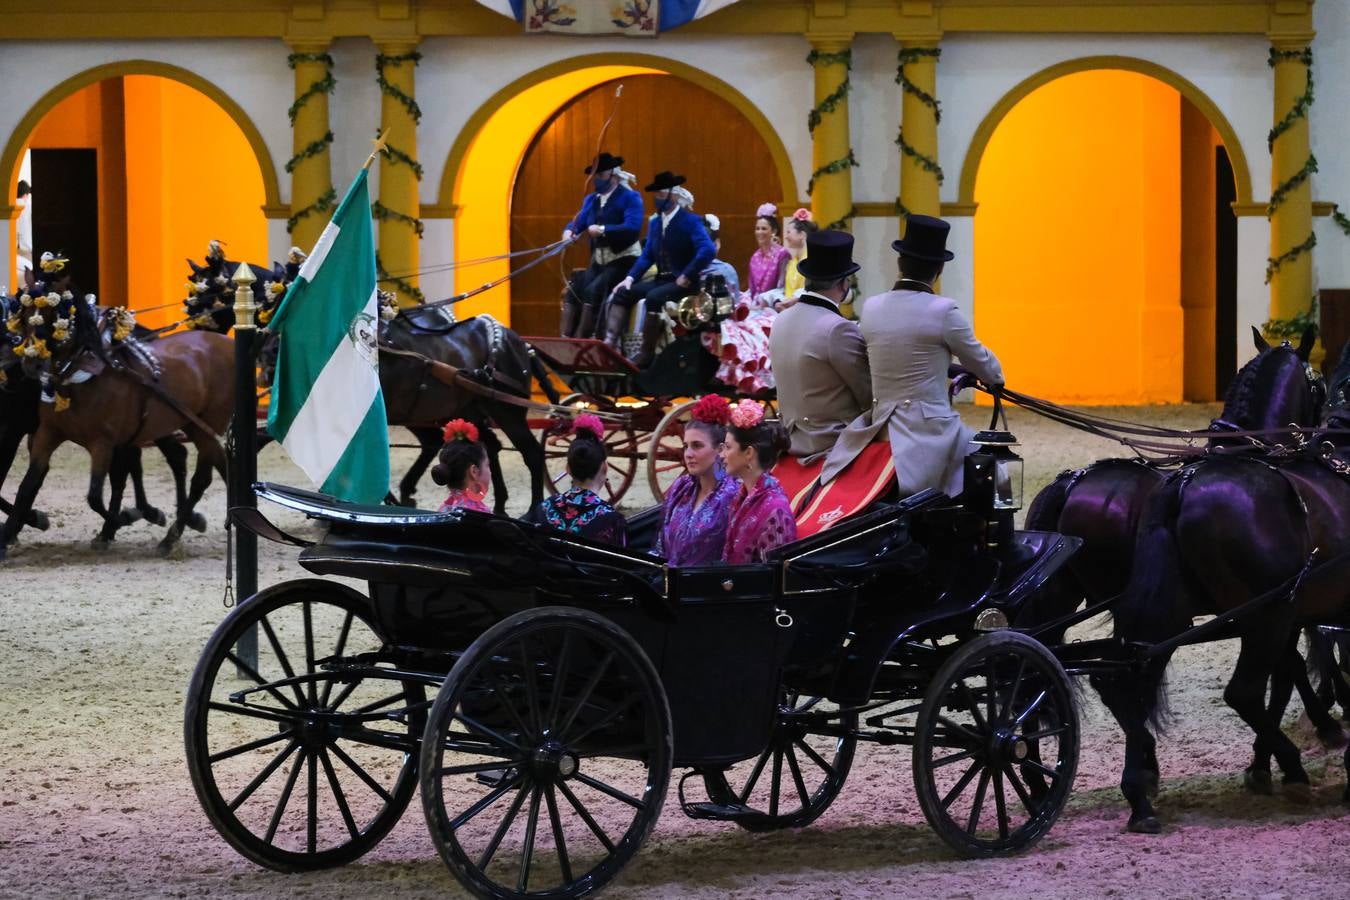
x,y
911,338
820,363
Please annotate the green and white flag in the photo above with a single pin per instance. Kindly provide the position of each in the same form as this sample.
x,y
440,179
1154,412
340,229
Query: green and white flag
x,y
327,410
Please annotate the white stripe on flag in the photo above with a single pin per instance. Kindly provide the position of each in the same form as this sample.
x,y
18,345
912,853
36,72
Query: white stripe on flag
x,y
710,6
319,253
335,408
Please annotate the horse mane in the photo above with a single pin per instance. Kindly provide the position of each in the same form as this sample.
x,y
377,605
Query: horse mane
x,y
1241,394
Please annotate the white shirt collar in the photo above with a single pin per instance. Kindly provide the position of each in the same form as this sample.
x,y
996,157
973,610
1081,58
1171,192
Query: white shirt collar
x,y
604,198
667,216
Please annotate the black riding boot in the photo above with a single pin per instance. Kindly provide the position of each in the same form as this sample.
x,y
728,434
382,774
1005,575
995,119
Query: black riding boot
x,y
615,321
587,327
651,333
568,328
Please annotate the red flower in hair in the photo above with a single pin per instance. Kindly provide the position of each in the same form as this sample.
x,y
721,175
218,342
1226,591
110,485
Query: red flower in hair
x,y
460,430
712,409
589,423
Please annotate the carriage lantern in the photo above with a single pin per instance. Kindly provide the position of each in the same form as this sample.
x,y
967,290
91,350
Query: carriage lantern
x,y
994,472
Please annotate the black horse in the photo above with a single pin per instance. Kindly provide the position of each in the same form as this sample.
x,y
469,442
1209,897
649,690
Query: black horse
x,y
1218,533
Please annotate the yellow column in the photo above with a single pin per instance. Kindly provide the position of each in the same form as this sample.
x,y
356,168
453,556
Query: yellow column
x,y
312,195
398,207
920,174
1291,234
831,186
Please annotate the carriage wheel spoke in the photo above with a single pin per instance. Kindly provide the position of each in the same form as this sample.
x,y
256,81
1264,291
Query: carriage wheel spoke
x,y
1047,733
817,758
312,809
1000,805
251,745
610,790
492,797
960,785
1043,769
285,797
585,695
1016,686
754,778
338,795
531,691
978,805
362,774
971,704
507,821
1032,707
281,657
527,851
797,779
559,840
503,693
309,648
1022,793
961,729
343,694
776,782
337,652
253,673
586,817
276,763
991,690
471,768
955,757
495,737
559,682
253,712
377,704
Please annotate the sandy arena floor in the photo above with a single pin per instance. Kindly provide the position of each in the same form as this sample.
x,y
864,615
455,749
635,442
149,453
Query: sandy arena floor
x,y
96,650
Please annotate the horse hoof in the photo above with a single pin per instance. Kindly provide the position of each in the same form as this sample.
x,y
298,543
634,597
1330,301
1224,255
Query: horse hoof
x,y
1258,781
155,516
40,521
1299,792
128,517
1331,737
1145,825
99,544
197,522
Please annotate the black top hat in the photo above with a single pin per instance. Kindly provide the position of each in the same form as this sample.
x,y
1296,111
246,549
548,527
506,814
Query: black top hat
x,y
664,181
925,238
604,163
829,256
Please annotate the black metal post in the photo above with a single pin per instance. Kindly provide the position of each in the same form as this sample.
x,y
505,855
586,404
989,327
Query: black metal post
x,y
243,466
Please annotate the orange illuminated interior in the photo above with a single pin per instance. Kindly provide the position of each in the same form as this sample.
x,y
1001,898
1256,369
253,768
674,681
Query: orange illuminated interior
x,y
485,180
1078,237
190,177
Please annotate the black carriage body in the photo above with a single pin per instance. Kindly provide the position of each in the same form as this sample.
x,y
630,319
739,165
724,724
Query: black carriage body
x,y
841,615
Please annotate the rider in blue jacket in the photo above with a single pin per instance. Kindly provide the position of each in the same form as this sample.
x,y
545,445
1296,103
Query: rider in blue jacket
x,y
612,218
679,246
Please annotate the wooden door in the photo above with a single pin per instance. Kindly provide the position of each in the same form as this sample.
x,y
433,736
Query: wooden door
x,y
662,122
65,211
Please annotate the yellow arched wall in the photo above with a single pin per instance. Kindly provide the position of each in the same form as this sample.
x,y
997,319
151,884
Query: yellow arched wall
x,y
481,168
1078,241
980,141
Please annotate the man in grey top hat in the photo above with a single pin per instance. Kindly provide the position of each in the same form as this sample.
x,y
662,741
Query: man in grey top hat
x,y
912,332
818,356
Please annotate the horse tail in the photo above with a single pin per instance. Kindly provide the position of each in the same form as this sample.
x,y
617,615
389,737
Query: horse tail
x,y
540,373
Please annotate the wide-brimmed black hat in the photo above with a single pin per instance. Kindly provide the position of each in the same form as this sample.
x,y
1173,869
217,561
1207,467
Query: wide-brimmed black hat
x,y
829,256
604,163
664,181
925,238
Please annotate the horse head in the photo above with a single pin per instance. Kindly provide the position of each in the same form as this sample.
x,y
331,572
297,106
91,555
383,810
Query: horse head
x,y
1275,389
209,304
52,328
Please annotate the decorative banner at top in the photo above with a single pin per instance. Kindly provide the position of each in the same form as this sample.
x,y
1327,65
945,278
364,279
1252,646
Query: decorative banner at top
x,y
635,18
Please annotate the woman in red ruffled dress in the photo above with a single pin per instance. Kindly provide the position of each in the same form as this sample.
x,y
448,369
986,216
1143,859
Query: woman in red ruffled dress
x,y
463,467
742,343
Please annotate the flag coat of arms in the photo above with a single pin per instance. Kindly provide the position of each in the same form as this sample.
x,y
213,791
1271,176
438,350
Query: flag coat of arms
x,y
327,410
635,18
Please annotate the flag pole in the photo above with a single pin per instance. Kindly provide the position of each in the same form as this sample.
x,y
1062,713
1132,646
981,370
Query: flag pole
x,y
381,143
243,466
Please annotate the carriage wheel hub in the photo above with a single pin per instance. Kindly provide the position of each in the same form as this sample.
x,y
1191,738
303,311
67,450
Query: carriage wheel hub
x,y
552,761
1007,746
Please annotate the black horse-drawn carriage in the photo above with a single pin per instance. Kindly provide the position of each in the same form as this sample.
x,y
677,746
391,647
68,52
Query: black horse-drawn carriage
x,y
540,688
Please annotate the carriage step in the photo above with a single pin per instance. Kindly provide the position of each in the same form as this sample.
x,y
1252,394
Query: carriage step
x,y
721,812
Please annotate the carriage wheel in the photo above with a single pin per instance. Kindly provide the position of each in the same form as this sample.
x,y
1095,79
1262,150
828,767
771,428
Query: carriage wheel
x,y
665,453
546,756
621,442
996,745
297,764
799,774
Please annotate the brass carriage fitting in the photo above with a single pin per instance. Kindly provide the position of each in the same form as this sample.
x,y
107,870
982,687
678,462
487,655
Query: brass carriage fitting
x,y
244,307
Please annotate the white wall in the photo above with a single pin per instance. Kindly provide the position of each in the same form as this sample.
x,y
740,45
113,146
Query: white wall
x,y
1331,138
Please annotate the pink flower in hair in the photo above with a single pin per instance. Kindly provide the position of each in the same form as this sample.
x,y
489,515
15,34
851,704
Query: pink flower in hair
x,y
766,210
747,414
802,215
589,423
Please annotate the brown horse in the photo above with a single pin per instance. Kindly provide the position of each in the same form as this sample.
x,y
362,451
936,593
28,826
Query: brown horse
x,y
151,392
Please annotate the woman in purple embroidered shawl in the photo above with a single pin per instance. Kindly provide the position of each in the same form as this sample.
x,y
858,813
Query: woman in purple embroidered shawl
x,y
697,506
761,517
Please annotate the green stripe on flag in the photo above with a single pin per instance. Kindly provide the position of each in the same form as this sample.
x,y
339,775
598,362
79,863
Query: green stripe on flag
x,y
363,470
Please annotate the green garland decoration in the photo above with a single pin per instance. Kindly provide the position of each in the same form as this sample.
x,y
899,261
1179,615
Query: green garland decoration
x,y
324,85
1299,110
1340,219
382,60
385,214
401,284
314,149
398,156
907,56
837,165
845,221
325,202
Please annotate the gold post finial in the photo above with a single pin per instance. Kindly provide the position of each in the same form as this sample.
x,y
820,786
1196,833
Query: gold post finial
x,y
380,143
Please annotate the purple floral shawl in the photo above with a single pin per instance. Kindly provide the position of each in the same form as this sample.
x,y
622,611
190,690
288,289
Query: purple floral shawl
x,y
690,536
761,519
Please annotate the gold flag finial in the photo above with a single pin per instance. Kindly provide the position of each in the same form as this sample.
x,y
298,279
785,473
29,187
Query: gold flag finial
x,y
381,141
